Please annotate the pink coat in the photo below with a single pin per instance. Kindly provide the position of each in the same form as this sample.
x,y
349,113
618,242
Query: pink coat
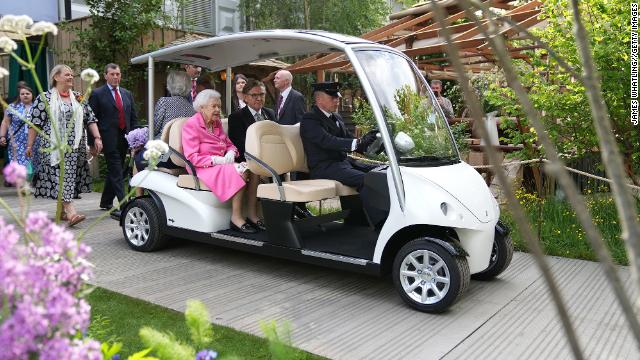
x,y
199,145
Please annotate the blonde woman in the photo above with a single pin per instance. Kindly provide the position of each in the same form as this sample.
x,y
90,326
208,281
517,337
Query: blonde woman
x,y
69,118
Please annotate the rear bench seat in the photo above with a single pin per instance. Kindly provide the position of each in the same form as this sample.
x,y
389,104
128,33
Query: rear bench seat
x,y
280,148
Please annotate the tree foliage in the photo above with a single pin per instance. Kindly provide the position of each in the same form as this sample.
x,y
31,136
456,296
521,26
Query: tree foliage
x,y
115,32
352,17
561,98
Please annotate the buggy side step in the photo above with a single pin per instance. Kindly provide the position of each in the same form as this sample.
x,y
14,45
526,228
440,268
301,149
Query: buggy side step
x,y
237,239
334,257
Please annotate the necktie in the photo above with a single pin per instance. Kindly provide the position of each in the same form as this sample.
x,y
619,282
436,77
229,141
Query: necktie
x,y
121,122
279,104
259,117
193,89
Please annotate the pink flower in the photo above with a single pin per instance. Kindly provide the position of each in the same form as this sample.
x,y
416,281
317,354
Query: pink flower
x,y
15,173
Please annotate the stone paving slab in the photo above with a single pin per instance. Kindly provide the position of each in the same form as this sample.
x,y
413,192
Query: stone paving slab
x,y
344,315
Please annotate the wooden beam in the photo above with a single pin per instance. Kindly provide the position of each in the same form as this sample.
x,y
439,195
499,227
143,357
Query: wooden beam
x,y
322,66
432,49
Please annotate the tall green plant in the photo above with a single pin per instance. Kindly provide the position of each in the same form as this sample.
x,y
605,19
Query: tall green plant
x,y
562,99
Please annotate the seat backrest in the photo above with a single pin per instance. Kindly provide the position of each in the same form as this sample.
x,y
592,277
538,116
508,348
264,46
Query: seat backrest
x,y
280,146
164,136
175,139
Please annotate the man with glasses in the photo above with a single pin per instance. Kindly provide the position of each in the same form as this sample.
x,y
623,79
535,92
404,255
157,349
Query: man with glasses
x,y
239,121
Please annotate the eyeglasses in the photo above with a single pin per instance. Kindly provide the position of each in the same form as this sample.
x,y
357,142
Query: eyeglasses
x,y
257,96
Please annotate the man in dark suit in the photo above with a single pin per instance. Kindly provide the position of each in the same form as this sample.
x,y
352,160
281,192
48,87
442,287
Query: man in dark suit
x,y
327,141
114,109
239,121
194,72
290,105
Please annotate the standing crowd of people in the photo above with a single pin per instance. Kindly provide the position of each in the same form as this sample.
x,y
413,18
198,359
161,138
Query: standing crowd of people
x,y
101,123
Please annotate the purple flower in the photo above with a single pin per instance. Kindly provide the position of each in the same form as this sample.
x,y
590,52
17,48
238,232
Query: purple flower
x,y
115,357
37,221
137,138
206,355
39,282
15,173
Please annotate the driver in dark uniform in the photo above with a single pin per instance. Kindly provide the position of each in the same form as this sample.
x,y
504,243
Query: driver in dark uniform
x,y
327,141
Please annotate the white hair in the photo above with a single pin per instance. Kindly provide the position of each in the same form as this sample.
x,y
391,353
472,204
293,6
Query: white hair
x,y
178,83
203,98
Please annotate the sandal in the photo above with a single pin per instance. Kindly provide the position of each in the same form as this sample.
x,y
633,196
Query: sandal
x,y
75,219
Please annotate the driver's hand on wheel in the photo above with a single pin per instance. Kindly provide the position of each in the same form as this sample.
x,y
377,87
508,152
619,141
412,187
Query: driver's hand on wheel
x,y
366,140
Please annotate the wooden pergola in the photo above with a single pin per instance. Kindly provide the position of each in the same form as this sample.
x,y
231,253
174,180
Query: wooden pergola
x,y
417,33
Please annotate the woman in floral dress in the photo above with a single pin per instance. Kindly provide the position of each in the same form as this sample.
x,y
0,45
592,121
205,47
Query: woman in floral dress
x,y
13,131
69,118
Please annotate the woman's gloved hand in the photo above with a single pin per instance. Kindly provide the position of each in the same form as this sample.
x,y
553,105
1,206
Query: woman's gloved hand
x,y
230,157
218,160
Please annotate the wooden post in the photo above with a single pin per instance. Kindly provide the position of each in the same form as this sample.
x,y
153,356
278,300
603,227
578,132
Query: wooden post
x,y
320,75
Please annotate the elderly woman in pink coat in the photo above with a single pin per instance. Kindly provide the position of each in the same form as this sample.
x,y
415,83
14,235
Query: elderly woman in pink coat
x,y
212,154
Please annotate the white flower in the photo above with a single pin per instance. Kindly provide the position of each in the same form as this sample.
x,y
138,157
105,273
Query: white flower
x,y
7,44
8,22
89,75
3,72
151,154
21,23
43,27
157,145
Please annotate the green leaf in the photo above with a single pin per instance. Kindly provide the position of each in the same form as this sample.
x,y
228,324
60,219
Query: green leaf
x,y
200,327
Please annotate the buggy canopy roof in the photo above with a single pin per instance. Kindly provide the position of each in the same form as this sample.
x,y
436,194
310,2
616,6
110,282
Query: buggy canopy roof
x,y
217,53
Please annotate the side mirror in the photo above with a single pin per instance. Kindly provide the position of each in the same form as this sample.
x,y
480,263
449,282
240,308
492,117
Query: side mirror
x,y
403,142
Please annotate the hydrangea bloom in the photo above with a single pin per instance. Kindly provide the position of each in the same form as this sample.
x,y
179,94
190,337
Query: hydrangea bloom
x,y
137,138
40,280
155,149
3,72
15,173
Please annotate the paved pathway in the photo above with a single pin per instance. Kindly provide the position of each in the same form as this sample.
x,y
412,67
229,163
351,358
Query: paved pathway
x,y
349,316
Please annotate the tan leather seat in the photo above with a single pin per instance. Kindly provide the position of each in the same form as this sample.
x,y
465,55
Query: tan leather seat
x,y
280,147
188,182
164,136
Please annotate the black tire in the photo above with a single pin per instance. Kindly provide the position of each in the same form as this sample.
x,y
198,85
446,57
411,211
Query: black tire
x,y
501,255
142,226
454,268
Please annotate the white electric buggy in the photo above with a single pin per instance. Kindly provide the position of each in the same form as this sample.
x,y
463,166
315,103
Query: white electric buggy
x,y
428,219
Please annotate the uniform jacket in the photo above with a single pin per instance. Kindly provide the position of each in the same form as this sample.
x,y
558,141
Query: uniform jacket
x,y
324,142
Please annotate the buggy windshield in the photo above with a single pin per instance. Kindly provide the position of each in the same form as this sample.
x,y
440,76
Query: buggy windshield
x,y
418,129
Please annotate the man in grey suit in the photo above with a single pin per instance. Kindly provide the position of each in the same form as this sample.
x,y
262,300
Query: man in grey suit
x,y
114,109
290,105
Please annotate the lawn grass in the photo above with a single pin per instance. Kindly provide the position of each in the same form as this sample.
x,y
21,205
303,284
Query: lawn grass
x,y
559,229
119,317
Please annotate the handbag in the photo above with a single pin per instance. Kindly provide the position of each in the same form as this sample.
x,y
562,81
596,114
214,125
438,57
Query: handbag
x,y
29,171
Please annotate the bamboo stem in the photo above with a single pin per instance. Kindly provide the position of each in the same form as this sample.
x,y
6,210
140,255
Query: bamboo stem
x,y
517,211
